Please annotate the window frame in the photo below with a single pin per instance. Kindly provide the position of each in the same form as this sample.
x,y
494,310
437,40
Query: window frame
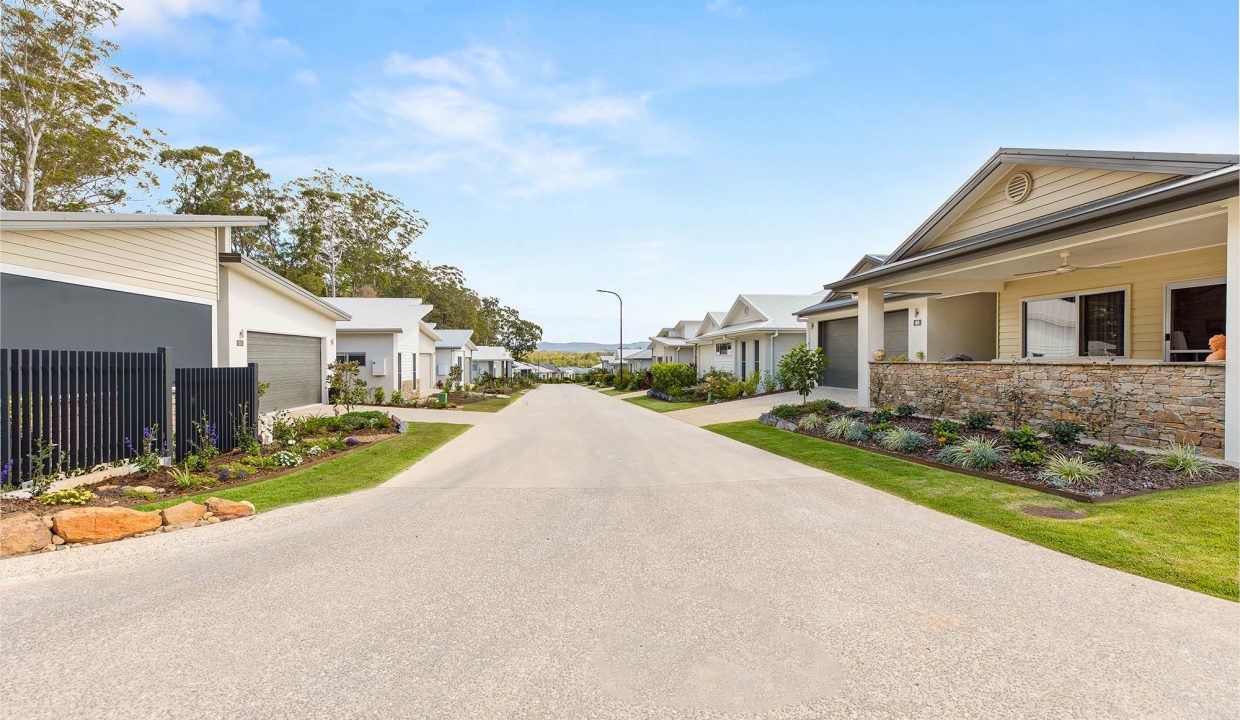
x,y
1077,295
1168,288
724,353
348,355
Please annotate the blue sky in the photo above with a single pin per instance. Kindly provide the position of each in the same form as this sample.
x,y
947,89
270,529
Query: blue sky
x,y
679,153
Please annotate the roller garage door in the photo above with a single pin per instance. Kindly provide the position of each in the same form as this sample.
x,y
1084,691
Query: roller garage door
x,y
292,364
838,339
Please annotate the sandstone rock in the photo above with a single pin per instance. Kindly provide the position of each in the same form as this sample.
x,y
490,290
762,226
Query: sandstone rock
x,y
183,514
229,509
23,533
103,524
58,540
47,520
213,520
18,495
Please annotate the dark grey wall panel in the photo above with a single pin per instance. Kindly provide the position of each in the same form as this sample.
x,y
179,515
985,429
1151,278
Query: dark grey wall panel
x,y
895,332
838,339
292,364
50,315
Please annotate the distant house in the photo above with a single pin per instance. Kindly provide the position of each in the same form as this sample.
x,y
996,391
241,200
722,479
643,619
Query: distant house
x,y
754,334
455,348
635,360
134,282
392,345
490,360
671,344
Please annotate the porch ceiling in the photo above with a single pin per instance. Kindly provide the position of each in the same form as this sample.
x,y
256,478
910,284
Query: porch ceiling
x,y
1189,229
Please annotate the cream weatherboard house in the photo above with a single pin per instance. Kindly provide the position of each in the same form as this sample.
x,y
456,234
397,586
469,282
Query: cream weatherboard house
x,y
1090,273
135,282
671,344
753,334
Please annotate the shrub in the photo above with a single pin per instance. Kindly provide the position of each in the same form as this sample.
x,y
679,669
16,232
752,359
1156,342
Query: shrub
x,y
882,415
841,427
1064,432
978,420
975,453
1028,458
904,441
144,494
380,395
858,432
1106,453
1185,460
785,412
147,457
183,478
1025,438
69,496
750,384
822,406
314,451
945,432
350,442
812,422
234,471
286,458
671,378
769,383
857,414
1062,470
718,382
801,367
196,463
906,410
880,427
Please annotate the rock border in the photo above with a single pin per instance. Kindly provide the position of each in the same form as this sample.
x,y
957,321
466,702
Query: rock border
x,y
26,533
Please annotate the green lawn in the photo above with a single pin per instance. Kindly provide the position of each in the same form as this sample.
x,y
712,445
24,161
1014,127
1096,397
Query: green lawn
x,y
359,470
613,391
492,404
1183,537
663,406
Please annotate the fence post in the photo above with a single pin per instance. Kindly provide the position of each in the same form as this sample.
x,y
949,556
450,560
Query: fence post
x,y
254,413
165,369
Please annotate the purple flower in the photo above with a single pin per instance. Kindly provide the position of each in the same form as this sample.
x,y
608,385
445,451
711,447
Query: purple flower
x,y
6,472
351,441
146,433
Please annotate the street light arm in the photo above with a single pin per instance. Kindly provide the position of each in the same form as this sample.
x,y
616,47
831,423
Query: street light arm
x,y
619,350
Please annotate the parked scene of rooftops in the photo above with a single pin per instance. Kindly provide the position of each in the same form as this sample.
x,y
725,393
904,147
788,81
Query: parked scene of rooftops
x,y
594,360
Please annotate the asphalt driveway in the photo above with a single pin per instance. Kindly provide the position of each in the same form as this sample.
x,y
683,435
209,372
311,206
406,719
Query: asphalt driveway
x,y
579,557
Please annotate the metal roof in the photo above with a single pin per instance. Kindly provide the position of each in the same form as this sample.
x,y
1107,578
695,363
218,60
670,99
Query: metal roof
x,y
40,219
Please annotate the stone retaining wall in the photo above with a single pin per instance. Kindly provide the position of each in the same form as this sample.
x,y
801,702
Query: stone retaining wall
x,y
1180,402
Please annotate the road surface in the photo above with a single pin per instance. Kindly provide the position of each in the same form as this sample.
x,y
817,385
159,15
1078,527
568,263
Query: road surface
x,y
576,556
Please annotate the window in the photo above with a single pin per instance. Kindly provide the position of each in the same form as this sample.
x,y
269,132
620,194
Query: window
x,y
359,358
723,349
1080,325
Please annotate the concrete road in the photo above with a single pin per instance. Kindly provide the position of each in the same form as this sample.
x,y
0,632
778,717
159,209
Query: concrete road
x,y
580,557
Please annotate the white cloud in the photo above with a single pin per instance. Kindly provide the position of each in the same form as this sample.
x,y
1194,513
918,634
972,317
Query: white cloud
x,y
164,17
725,7
502,122
600,111
182,96
306,78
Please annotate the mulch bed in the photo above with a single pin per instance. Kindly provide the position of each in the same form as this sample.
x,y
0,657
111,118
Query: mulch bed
x,y
1131,475
108,491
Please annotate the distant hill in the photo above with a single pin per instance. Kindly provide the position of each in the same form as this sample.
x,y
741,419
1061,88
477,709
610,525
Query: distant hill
x,y
584,347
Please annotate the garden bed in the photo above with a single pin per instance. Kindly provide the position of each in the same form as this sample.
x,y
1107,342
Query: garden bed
x,y
227,470
1129,473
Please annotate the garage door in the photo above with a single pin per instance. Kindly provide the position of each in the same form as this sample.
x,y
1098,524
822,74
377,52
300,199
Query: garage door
x,y
293,366
838,339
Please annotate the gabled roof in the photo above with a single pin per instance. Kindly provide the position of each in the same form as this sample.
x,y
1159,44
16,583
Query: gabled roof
x,y
1172,164
1144,202
711,321
456,339
762,312
389,315
429,330
491,352
867,261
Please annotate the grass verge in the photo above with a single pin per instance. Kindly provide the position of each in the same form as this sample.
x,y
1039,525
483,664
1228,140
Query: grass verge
x,y
613,391
1183,537
662,406
359,470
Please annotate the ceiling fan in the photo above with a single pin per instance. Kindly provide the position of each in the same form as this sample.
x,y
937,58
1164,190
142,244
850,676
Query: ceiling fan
x,y
1065,267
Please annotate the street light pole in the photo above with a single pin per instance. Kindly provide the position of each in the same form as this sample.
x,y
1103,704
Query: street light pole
x,y
619,350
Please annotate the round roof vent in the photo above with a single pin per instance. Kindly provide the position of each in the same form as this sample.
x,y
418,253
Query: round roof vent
x,y
1019,187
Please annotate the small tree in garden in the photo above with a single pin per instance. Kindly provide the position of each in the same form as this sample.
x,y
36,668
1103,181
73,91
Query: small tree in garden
x,y
800,369
1017,399
344,385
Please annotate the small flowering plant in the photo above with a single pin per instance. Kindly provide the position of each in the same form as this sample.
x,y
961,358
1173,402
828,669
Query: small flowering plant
x,y
314,451
286,458
146,457
350,441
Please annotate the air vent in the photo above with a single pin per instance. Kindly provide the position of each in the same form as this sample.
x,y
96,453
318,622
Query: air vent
x,y
1019,187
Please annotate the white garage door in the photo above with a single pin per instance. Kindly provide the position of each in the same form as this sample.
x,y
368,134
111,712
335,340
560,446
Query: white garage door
x,y
292,364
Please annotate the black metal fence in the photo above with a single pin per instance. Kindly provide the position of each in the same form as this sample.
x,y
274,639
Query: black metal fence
x,y
81,408
218,406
